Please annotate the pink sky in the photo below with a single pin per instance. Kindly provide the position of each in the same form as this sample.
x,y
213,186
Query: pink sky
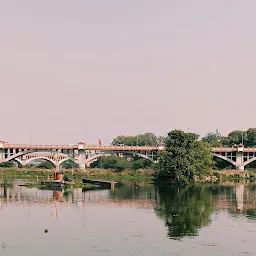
x,y
115,65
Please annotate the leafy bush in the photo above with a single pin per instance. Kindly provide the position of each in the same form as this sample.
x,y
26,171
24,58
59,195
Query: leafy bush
x,y
112,162
7,165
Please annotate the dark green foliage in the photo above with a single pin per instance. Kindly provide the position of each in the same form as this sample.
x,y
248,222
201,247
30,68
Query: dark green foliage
x,y
67,177
69,164
126,140
250,137
145,139
7,164
140,164
46,165
184,157
221,164
120,164
235,138
213,138
112,162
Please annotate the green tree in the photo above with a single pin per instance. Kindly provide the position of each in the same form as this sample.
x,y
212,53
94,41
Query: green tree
x,y
69,164
112,162
145,139
46,165
183,158
213,138
161,139
126,140
225,141
250,138
235,138
140,164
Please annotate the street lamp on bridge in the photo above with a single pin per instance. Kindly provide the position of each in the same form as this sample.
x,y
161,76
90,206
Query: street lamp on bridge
x,y
85,135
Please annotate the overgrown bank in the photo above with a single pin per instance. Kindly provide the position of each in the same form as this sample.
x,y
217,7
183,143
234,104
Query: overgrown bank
x,y
76,175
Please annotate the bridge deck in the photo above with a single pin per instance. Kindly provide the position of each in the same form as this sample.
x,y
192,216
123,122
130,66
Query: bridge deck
x,y
108,148
76,147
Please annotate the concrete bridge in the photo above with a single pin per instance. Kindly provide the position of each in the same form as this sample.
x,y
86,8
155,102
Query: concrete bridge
x,y
238,156
80,153
84,155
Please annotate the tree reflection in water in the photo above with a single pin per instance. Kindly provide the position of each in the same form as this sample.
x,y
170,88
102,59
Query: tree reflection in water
x,y
184,210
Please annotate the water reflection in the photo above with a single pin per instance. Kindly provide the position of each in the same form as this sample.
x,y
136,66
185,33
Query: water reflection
x,y
185,211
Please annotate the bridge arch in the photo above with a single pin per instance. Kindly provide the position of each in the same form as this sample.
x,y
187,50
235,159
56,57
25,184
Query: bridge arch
x,y
146,157
249,161
26,152
18,161
66,159
224,158
95,157
91,159
41,157
13,157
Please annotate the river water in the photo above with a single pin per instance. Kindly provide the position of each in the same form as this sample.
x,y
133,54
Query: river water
x,y
135,218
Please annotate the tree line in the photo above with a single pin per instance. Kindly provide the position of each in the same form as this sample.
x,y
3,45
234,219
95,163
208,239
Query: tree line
x,y
145,139
236,137
215,139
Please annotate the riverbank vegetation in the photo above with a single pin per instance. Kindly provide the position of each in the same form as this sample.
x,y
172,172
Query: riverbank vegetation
x,y
235,175
75,175
120,164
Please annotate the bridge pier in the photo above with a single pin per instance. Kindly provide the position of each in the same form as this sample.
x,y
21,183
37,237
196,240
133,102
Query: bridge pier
x,y
240,160
240,168
81,156
1,151
1,155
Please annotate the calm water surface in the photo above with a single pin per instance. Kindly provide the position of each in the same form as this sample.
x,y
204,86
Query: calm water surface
x,y
134,219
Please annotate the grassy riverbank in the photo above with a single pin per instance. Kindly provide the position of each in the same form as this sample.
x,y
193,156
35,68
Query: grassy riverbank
x,y
76,175
235,175
106,174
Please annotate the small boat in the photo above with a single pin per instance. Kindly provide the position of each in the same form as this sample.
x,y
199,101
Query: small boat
x,y
101,183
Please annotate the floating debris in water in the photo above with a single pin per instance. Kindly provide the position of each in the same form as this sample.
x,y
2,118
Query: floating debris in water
x,y
46,230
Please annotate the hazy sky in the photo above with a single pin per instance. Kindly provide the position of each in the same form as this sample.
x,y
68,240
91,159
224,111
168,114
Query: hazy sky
x,y
110,65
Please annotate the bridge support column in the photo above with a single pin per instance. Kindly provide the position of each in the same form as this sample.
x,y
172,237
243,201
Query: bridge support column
x,y
240,168
1,155
240,160
81,159
24,162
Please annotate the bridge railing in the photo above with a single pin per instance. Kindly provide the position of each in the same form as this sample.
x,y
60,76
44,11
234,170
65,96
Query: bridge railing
x,y
222,149
25,146
121,148
75,147
110,148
